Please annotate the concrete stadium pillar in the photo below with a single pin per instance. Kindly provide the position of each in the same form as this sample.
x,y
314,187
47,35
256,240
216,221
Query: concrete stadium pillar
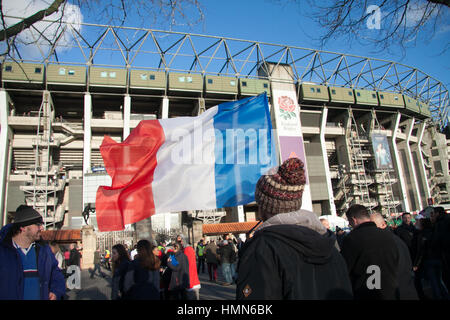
x,y
5,155
323,125
421,164
165,108
87,139
289,129
126,116
398,165
87,133
415,184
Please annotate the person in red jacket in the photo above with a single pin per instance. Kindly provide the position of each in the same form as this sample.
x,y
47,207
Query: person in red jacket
x,y
193,292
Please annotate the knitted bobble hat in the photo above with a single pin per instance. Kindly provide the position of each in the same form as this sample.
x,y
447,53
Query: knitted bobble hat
x,y
282,192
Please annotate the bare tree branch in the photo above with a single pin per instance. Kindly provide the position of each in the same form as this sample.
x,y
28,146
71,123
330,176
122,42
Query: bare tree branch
x,y
28,22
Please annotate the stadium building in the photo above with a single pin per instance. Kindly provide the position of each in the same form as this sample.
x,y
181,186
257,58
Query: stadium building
x,y
371,129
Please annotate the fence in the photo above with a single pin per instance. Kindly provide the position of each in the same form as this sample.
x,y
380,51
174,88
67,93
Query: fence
x,y
106,240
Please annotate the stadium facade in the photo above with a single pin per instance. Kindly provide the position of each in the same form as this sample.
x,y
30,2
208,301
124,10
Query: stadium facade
x,y
371,129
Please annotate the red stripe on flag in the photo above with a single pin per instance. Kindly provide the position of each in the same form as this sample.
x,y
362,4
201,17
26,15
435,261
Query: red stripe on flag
x,y
131,165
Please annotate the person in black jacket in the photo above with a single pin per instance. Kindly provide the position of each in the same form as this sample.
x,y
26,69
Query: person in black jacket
x,y
291,255
406,230
142,278
407,290
441,239
372,257
429,253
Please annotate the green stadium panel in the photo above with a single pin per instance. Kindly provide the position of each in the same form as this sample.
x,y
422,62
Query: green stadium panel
x,y
63,74
217,84
312,92
366,97
146,79
23,72
391,100
341,95
424,109
185,82
411,104
254,87
110,77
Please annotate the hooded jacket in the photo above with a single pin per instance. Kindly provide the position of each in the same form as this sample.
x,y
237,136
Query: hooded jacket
x,y
11,271
292,257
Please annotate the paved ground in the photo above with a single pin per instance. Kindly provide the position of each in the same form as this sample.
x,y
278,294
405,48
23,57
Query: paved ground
x,y
99,288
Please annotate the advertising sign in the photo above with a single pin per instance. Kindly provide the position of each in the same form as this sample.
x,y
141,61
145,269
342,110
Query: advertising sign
x,y
383,159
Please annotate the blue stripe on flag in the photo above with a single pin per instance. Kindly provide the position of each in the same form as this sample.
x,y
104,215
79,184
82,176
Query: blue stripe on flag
x,y
244,149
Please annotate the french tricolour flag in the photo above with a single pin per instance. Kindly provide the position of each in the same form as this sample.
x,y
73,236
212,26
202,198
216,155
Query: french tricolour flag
x,y
210,161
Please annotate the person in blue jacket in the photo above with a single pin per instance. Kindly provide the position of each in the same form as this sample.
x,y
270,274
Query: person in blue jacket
x,y
29,270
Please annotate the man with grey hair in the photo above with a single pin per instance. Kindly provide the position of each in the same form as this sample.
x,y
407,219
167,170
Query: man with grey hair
x,y
407,290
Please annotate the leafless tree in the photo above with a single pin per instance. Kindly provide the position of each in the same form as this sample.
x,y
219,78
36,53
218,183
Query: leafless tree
x,y
111,12
402,22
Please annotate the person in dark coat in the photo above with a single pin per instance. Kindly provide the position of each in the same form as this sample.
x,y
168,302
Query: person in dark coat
x,y
428,261
227,258
406,288
75,256
142,280
372,257
212,260
179,280
441,239
120,262
29,269
291,256
406,230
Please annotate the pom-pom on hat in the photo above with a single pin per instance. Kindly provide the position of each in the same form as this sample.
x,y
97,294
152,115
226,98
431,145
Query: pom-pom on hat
x,y
282,192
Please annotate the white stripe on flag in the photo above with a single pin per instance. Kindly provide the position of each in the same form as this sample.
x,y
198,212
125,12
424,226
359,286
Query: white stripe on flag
x,y
184,175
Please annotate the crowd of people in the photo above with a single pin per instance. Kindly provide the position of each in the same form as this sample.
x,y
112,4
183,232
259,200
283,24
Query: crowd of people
x,y
290,255
294,255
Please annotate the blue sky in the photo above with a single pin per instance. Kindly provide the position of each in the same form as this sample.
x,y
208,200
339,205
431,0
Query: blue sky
x,y
269,21
280,22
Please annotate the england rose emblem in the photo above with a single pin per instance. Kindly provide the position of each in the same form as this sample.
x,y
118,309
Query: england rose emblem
x,y
287,107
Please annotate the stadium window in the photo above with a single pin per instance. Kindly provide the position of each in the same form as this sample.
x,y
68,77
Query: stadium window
x,y
152,77
210,81
312,90
374,95
8,68
358,94
318,90
104,74
244,83
180,79
333,91
189,79
62,71
395,98
350,93
265,85
71,72
112,74
37,70
232,83
381,96
143,76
